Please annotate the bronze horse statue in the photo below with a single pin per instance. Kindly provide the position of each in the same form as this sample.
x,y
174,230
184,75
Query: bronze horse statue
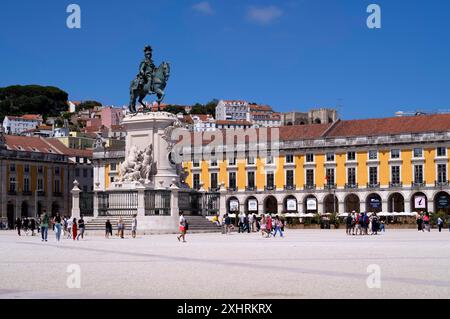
x,y
155,86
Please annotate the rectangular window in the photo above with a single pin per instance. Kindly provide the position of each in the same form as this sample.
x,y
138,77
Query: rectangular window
x,y
251,179
351,156
196,163
251,160
310,177
395,153
40,185
12,167
12,184
395,175
111,179
40,169
441,151
232,161
418,174
309,158
27,168
269,159
196,181
57,186
442,173
373,175
270,180
113,167
330,176
289,158
418,153
373,155
232,180
290,178
57,171
26,184
351,176
214,183
330,157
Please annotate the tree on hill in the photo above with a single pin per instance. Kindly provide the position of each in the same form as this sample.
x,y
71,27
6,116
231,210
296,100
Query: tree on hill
x,y
87,105
32,99
175,109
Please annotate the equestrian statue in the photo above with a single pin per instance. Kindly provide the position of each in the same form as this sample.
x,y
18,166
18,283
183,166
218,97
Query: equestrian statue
x,y
150,80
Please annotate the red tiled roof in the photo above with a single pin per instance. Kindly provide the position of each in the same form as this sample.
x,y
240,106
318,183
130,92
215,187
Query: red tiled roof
x,y
392,126
32,117
29,144
63,149
230,122
260,108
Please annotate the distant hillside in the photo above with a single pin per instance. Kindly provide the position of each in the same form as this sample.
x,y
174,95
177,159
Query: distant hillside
x,y
32,99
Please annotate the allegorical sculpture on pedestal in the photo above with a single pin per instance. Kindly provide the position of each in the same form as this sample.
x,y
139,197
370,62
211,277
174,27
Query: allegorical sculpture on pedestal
x,y
150,80
138,166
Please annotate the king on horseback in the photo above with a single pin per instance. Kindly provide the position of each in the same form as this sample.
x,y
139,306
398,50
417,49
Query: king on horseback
x,y
150,80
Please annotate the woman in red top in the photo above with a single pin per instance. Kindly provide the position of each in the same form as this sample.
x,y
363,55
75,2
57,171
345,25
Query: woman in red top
x,y
74,229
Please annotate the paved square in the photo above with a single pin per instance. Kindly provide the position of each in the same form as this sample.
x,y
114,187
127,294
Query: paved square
x,y
304,264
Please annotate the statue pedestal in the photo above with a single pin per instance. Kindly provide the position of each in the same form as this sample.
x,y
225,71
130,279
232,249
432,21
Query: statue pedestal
x,y
144,129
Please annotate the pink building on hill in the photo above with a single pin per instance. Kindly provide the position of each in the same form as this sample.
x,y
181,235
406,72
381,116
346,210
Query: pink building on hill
x,y
111,116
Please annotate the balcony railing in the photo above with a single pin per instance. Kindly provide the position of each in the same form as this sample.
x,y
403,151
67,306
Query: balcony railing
x,y
269,187
442,184
232,189
309,186
214,189
289,187
330,186
351,186
373,185
395,185
418,184
250,188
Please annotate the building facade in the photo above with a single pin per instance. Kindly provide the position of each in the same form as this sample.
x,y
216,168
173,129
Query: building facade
x,y
16,125
38,174
389,164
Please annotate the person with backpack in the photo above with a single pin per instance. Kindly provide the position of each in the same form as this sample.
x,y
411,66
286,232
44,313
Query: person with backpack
x,y
45,221
440,223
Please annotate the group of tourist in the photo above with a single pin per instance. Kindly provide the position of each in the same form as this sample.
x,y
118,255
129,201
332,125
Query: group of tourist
x,y
266,224
424,223
362,223
121,228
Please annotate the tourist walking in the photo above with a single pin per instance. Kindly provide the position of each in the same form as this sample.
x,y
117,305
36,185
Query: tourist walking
x,y
241,217
349,224
426,221
251,222
18,225
182,227
25,225
74,229
382,226
269,225
108,229
263,225
375,225
45,220
32,226
64,225
440,223
120,228
57,223
69,228
133,226
419,222
278,225
81,227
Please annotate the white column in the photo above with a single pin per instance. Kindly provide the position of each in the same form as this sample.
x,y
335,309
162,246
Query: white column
x,y
223,200
75,200
174,209
141,201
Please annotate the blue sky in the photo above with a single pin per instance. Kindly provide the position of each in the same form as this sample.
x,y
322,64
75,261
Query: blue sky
x,y
292,55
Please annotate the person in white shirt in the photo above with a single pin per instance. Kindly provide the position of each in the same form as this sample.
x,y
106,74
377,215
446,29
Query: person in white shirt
x,y
251,221
183,228
69,228
134,226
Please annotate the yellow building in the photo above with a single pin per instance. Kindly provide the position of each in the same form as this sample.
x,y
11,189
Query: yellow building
x,y
397,164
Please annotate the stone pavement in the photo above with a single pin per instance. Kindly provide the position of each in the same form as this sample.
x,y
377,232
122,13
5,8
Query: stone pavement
x,y
304,264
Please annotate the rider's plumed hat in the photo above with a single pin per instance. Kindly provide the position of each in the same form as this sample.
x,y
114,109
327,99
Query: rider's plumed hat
x,y
148,49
